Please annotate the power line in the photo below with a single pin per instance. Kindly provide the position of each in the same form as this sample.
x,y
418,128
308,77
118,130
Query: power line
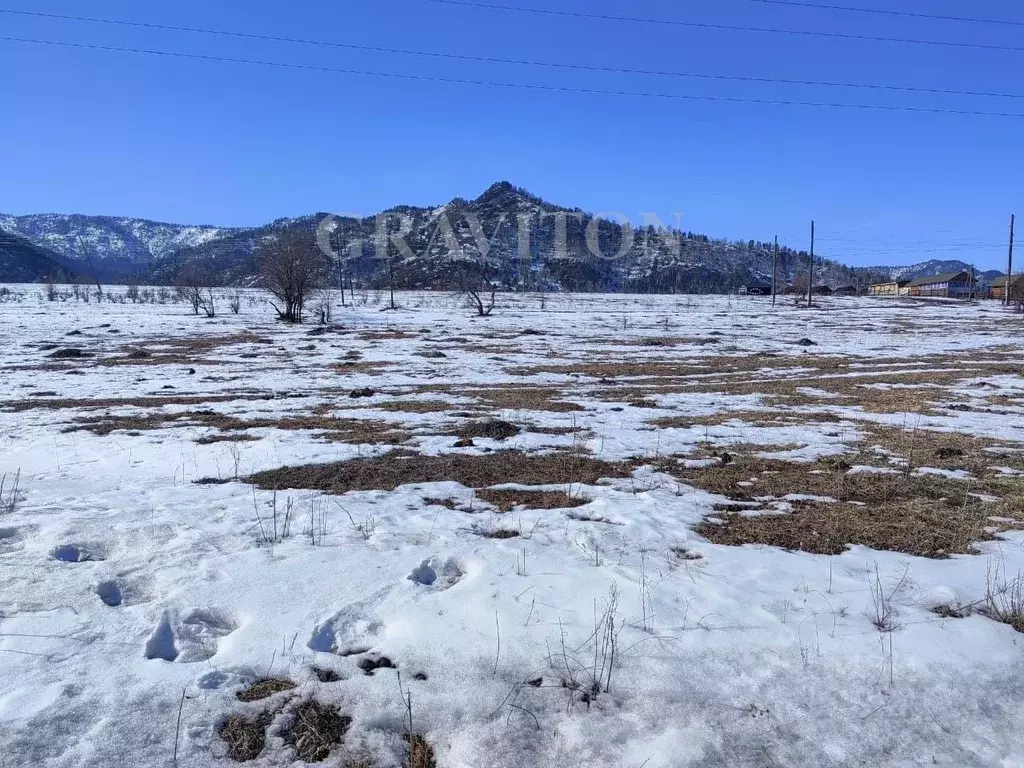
x,y
727,27
517,62
903,14
526,86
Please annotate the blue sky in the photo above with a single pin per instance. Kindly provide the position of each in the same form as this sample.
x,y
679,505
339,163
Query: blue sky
x,y
221,143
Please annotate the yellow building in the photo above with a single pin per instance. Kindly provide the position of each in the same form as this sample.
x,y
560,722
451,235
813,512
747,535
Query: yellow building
x,y
892,288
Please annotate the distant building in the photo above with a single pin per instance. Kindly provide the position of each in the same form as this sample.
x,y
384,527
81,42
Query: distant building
x,y
822,290
756,289
997,288
891,288
952,285
846,290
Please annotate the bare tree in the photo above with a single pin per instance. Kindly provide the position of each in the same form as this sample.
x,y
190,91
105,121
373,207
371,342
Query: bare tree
x,y
473,280
132,294
189,284
293,269
207,302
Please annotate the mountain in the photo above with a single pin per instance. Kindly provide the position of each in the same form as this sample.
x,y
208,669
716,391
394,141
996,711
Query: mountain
x,y
112,247
24,262
442,247
932,267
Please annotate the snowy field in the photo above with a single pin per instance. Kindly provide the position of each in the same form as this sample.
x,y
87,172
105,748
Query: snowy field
x,y
621,531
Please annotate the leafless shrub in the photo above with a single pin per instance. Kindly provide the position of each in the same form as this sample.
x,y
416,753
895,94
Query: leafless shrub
x,y
1004,598
10,496
235,303
132,293
584,677
317,518
365,529
323,308
885,615
279,525
51,291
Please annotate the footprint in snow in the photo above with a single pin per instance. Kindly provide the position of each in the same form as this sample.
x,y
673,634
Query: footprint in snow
x,y
344,634
110,593
192,639
11,539
438,573
161,644
80,553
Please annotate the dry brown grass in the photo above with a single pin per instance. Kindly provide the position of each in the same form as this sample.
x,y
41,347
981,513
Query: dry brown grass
x,y
495,429
507,500
355,431
131,402
765,418
316,730
264,689
212,439
415,406
367,367
926,515
245,737
524,398
402,468
421,754
500,533
388,335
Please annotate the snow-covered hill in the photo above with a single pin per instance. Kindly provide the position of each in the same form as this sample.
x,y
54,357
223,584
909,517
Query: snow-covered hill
x,y
441,243
115,246
931,267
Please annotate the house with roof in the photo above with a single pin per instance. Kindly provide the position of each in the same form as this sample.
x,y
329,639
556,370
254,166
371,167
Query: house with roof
x,y
951,285
997,288
890,288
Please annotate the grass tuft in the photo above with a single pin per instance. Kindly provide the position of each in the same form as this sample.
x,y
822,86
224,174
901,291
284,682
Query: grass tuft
x,y
264,689
316,730
245,737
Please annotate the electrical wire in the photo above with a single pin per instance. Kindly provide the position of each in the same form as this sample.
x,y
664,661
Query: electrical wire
x,y
512,61
727,27
525,86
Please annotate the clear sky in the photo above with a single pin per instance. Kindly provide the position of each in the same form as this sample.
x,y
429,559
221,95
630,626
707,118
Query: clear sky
x,y
204,142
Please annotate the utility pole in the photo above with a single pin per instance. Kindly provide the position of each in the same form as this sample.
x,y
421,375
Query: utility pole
x,y
341,265
810,271
1009,267
775,269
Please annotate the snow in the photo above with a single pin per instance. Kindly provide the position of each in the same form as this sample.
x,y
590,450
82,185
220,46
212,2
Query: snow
x,y
127,585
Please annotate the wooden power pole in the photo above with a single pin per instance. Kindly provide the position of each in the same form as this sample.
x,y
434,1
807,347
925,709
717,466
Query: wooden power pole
x,y
810,270
775,269
1009,267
